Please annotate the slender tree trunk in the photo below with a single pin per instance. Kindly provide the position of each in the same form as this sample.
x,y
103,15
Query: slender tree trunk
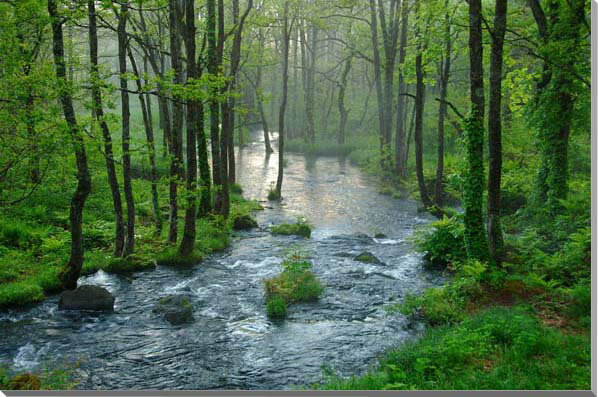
x,y
310,94
213,101
126,135
188,240
176,140
222,195
70,274
377,75
344,113
98,110
475,234
445,70
149,136
283,100
495,238
420,90
400,141
259,96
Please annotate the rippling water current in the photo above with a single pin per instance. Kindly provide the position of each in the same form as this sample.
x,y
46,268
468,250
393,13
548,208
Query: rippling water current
x,y
231,344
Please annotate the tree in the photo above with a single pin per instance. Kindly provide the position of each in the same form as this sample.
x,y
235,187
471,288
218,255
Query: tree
x,y
495,238
286,33
473,191
71,272
123,15
188,240
98,111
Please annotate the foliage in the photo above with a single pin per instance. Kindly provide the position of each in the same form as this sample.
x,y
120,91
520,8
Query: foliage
x,y
443,243
500,348
296,283
301,228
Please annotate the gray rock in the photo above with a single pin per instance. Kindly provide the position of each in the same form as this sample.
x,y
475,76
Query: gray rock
x,y
380,235
87,297
368,257
176,309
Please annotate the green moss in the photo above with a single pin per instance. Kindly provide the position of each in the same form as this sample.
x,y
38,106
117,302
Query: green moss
x,y
276,307
302,229
172,258
273,195
130,264
20,294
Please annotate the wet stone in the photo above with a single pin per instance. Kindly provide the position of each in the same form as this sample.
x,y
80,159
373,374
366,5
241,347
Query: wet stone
x,y
87,297
176,309
368,257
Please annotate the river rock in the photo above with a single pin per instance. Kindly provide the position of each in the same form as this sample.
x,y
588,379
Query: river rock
x,y
368,257
87,297
244,222
176,309
380,235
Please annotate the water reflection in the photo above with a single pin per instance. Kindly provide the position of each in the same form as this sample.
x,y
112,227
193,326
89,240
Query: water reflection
x,y
231,343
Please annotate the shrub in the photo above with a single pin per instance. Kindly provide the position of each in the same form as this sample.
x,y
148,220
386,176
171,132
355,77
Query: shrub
x,y
443,244
17,235
301,228
296,283
276,307
273,195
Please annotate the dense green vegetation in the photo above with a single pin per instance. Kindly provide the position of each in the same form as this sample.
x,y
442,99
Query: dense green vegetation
x,y
296,283
118,126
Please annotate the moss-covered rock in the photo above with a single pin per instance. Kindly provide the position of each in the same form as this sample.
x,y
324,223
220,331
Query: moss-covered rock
x,y
87,297
244,222
368,257
289,229
176,309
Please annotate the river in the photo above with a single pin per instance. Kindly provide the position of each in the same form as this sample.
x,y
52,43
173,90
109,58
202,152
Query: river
x,y
231,344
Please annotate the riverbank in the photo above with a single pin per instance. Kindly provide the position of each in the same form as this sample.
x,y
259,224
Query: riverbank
x,y
35,245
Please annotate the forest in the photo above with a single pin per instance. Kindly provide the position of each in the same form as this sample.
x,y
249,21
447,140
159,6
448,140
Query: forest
x,y
295,194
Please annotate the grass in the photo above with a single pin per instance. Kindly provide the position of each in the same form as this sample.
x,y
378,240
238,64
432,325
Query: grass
x,y
46,379
296,283
301,228
500,348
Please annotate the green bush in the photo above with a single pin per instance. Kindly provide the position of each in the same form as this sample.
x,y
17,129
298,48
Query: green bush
x,y
273,195
276,307
443,243
17,235
296,283
301,228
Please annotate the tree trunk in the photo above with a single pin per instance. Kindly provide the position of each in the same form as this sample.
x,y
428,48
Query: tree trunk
x,y
70,274
400,141
445,70
420,90
188,240
259,96
344,113
283,100
126,135
222,204
98,111
473,192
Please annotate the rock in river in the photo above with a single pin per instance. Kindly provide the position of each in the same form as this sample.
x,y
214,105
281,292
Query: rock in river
x,y
368,257
244,222
87,297
176,309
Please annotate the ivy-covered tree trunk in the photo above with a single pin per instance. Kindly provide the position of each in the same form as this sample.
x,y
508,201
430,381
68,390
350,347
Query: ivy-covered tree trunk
x,y
98,111
70,274
560,28
126,128
495,238
476,242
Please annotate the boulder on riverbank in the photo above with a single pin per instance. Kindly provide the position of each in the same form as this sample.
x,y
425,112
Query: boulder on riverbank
x,y
176,309
87,297
244,222
368,257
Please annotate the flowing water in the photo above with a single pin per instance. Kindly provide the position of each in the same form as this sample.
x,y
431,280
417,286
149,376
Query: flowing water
x,y
231,343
